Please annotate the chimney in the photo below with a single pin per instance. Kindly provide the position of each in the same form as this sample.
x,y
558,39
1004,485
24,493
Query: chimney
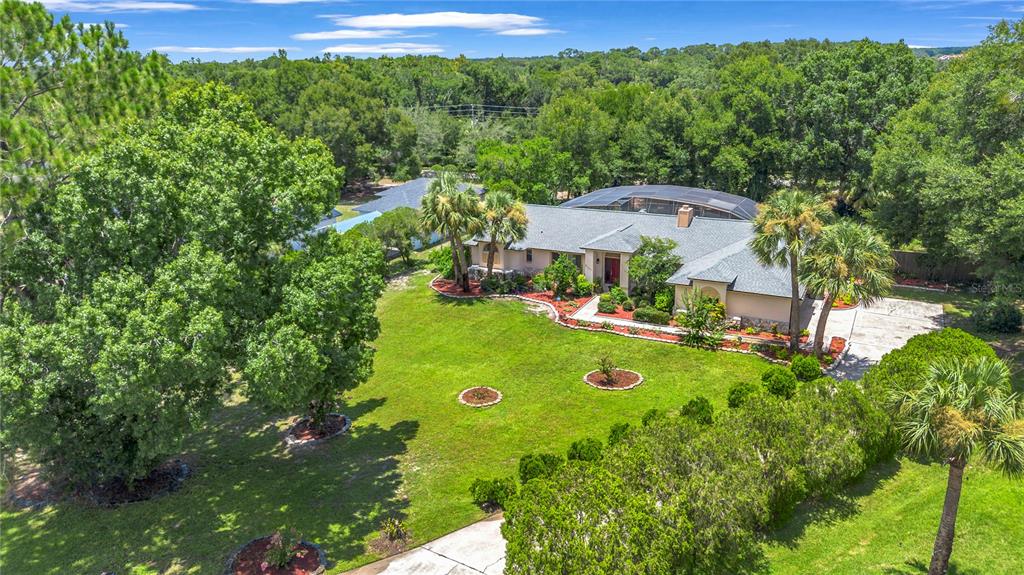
x,y
684,217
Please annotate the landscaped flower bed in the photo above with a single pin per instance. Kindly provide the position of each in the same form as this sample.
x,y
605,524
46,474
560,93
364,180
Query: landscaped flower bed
x,y
480,396
251,559
301,433
919,283
452,288
768,336
622,379
565,306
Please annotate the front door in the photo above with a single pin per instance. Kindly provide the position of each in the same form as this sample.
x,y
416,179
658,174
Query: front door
x,y
611,270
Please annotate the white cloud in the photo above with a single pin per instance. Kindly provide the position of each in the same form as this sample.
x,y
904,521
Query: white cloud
x,y
528,32
219,49
391,48
349,35
117,25
918,46
471,20
286,1
117,6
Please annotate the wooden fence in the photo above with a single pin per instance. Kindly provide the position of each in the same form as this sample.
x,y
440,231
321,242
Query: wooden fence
x,y
918,265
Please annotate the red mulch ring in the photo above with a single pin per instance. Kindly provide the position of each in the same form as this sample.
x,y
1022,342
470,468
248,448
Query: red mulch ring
x,y
838,305
450,287
303,431
480,396
249,560
621,379
164,479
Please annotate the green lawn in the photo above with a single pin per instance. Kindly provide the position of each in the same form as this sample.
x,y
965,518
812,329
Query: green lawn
x,y
887,523
413,452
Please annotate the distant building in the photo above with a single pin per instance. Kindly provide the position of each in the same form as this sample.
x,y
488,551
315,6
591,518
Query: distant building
x,y
666,200
410,195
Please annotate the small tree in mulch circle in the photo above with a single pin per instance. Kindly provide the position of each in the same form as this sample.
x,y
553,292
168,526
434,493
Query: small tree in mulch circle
x,y
283,547
606,367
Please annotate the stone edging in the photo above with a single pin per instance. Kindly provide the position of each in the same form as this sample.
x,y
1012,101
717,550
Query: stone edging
x,y
557,320
627,388
290,440
228,567
488,404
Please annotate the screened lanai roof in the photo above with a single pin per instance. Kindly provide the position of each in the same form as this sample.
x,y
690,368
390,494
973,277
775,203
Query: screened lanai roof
x,y
738,206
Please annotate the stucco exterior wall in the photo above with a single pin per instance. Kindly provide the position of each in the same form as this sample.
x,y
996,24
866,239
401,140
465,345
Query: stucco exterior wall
x,y
757,307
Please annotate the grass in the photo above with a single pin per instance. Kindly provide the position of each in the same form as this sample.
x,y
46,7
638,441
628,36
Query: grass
x,y
347,212
886,524
412,454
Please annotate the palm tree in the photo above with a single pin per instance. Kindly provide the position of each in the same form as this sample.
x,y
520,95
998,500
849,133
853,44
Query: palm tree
x,y
453,213
785,224
504,222
965,407
847,259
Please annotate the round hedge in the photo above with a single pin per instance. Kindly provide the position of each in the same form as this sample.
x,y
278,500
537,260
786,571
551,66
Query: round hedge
x,y
907,366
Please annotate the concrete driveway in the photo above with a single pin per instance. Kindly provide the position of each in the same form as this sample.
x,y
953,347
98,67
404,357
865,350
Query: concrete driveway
x,y
872,331
473,550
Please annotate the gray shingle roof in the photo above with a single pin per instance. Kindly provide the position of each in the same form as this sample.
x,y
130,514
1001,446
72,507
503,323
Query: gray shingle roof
x,y
738,206
410,195
712,249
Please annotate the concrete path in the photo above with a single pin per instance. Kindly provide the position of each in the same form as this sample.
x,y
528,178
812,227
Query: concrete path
x,y
473,550
872,331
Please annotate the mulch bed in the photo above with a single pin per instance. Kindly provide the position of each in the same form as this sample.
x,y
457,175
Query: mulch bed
x,y
309,560
452,288
565,306
918,283
619,314
838,305
479,396
302,433
164,479
621,379
382,545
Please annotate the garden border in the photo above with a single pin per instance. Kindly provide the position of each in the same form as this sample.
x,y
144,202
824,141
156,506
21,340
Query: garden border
x,y
554,315
488,404
234,555
291,442
603,388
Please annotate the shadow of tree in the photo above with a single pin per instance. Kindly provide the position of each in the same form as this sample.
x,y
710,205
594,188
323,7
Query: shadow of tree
x,y
916,566
246,484
833,509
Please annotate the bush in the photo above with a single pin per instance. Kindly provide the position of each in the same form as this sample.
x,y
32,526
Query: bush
x,y
906,367
782,353
779,381
606,306
650,416
562,275
618,432
740,392
699,409
394,529
703,320
540,282
583,287
628,305
1000,316
282,547
651,315
441,261
539,465
494,492
588,449
664,300
618,295
805,368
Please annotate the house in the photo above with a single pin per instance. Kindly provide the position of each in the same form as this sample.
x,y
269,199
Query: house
x,y
716,256
409,195
338,226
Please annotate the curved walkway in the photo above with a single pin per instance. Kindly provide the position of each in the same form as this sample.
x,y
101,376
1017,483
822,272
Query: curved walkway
x,y
473,550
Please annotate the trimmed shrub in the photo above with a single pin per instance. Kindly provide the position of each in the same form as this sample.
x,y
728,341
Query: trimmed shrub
x,y
805,368
618,294
782,353
906,367
664,300
588,449
740,392
618,432
779,381
629,305
441,261
583,287
540,282
539,465
651,315
561,274
606,306
1000,316
699,409
494,492
650,416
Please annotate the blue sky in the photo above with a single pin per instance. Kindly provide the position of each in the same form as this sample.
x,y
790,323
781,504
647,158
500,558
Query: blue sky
x,y
237,29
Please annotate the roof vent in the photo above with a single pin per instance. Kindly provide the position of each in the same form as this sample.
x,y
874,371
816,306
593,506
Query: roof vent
x,y
684,216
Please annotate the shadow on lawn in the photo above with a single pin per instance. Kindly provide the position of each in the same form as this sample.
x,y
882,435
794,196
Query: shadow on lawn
x,y
916,567
245,485
835,508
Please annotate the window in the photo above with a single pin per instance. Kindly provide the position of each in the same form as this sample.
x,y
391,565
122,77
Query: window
x,y
578,260
529,255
